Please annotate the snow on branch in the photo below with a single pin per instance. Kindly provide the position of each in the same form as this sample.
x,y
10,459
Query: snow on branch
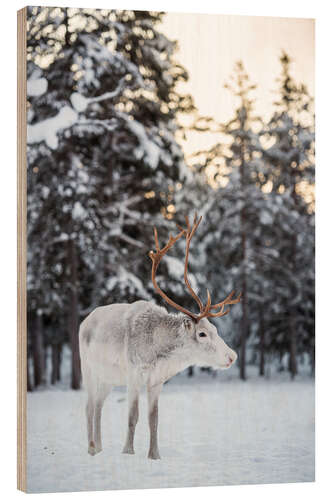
x,y
47,130
36,86
80,102
147,146
127,280
109,125
130,241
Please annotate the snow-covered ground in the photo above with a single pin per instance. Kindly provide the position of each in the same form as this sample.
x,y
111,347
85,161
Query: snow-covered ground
x,y
213,431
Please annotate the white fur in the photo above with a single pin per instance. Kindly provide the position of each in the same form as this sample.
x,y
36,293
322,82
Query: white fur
x,y
141,344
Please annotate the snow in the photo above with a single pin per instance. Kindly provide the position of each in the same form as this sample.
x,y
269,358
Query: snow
x,y
45,192
266,218
127,280
213,431
152,151
36,87
176,270
175,266
47,130
101,55
79,102
78,211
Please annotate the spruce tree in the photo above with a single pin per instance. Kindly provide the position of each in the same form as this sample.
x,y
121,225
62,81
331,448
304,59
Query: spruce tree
x,y
239,210
102,158
289,157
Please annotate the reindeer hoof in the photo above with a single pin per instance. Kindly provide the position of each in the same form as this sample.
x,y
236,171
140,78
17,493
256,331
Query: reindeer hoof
x,y
91,449
154,455
129,450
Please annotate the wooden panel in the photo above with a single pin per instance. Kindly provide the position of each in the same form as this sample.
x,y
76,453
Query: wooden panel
x,y
21,250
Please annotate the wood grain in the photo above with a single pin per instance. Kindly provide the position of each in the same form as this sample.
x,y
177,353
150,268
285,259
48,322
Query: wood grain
x,y
21,250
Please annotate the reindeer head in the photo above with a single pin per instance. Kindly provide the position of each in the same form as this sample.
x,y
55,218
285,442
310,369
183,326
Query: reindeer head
x,y
206,346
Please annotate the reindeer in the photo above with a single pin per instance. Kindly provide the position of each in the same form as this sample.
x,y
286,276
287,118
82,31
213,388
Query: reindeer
x,y
142,344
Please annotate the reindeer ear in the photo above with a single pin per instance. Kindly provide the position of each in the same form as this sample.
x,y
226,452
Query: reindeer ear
x,y
188,324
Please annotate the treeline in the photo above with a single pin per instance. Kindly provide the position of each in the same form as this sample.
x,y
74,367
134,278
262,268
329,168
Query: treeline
x,y
260,220
105,167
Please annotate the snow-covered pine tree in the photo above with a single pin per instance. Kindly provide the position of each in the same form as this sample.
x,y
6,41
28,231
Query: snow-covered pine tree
x,y
238,211
289,157
244,203
102,157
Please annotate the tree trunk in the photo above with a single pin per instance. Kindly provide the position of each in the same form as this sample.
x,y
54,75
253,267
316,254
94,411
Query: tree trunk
x,y
67,32
38,351
73,320
262,344
55,373
244,323
292,349
292,312
29,382
313,359
58,374
242,357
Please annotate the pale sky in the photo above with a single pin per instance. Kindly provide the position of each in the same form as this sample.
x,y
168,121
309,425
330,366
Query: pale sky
x,y
209,46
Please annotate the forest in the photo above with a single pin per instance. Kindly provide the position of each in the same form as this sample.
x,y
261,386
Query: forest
x,y
106,166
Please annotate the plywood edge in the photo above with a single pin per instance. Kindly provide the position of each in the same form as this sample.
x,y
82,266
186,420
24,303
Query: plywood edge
x,y
21,250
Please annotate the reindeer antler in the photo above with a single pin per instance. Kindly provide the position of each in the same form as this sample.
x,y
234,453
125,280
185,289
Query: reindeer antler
x,y
205,310
156,257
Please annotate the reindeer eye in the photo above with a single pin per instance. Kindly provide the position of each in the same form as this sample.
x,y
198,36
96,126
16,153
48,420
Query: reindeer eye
x,y
202,334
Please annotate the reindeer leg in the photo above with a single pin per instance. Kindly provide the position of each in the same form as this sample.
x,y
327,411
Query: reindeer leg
x,y
133,416
102,394
153,394
90,410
